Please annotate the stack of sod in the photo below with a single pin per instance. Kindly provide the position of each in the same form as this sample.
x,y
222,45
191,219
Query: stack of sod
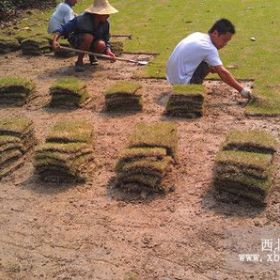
x,y
123,97
8,45
35,46
147,160
68,92
67,152
117,47
15,90
16,138
186,101
244,166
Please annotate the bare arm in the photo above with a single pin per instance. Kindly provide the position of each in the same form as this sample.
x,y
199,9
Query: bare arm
x,y
55,43
227,77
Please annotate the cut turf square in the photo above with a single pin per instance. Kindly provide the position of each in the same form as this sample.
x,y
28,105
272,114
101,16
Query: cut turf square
x,y
68,92
123,97
16,138
185,101
161,135
148,159
67,152
35,46
245,165
251,140
15,90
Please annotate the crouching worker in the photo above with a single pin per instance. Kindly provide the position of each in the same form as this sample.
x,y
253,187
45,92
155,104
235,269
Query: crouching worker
x,y
197,55
88,32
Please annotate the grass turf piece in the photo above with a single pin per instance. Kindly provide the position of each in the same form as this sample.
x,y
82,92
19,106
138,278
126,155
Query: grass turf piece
x,y
251,140
132,154
16,85
68,91
18,126
123,88
8,45
146,166
147,180
70,85
243,185
71,131
67,148
255,165
162,135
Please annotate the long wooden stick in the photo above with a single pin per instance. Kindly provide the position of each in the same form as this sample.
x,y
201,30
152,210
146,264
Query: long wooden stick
x,y
104,56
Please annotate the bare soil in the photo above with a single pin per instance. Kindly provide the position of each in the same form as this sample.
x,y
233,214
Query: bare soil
x,y
89,231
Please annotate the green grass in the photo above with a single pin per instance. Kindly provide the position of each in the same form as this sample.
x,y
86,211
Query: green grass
x,y
71,131
16,84
255,140
157,26
14,125
188,90
123,87
163,135
245,159
68,84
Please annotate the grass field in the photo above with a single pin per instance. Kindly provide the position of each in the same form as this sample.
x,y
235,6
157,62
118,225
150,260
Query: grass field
x,y
157,26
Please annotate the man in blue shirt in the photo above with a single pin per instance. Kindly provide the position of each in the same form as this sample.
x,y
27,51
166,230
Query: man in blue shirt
x,y
62,14
89,32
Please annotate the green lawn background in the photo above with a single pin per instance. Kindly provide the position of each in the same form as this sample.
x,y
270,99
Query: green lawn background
x,y
158,25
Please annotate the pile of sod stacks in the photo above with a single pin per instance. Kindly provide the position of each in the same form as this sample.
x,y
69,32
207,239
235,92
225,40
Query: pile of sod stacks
x,y
16,139
15,90
68,92
35,46
143,166
8,45
123,97
244,166
67,153
186,101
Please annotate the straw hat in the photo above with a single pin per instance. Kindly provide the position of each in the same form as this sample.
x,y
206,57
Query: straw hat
x,y
101,7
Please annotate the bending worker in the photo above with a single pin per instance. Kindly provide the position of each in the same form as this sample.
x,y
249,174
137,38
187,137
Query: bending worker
x,y
62,14
197,55
89,32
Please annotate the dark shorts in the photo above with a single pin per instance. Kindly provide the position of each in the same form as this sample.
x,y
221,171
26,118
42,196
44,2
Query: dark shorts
x,y
76,39
200,73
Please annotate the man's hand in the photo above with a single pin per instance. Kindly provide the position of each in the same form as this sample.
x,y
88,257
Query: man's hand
x,y
110,53
246,93
55,45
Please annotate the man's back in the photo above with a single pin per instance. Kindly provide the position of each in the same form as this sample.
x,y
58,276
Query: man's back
x,y
188,54
63,13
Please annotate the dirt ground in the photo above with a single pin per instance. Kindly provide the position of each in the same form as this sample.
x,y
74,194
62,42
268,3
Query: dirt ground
x,y
88,231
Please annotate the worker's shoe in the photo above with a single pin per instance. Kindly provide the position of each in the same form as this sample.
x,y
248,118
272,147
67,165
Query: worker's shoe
x,y
93,60
80,67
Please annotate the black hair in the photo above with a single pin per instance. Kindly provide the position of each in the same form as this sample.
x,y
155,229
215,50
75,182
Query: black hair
x,y
222,26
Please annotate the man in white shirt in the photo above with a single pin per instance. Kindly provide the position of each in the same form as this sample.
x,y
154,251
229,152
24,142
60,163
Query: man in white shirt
x,y
197,55
62,14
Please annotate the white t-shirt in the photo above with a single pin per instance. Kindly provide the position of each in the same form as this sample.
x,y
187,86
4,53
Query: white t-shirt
x,y
62,14
188,54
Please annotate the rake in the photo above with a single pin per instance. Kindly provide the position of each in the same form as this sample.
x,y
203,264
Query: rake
x,y
140,62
